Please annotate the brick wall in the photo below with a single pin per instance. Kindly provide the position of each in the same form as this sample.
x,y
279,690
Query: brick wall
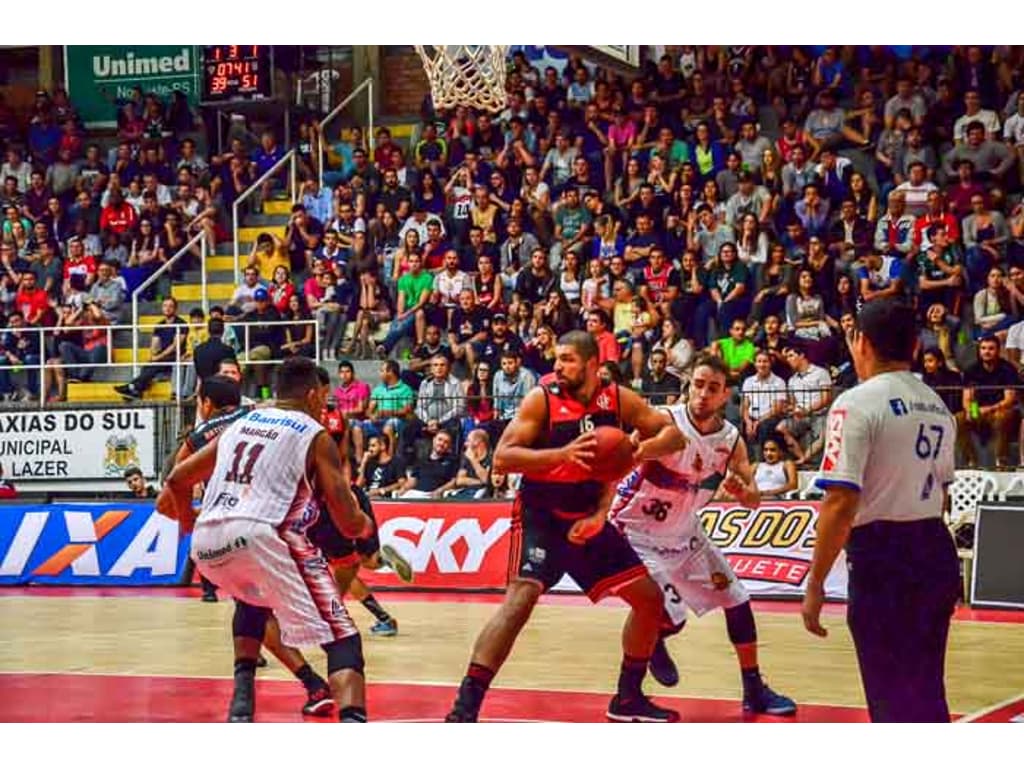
x,y
405,82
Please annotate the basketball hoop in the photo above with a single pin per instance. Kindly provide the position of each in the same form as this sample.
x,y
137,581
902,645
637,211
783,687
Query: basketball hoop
x,y
466,75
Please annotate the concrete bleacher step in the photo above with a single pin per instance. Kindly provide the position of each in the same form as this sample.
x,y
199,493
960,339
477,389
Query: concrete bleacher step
x,y
266,220
103,392
277,207
214,291
248,235
124,354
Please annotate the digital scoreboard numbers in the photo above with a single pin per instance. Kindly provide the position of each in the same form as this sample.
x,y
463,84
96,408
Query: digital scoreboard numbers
x,y
237,73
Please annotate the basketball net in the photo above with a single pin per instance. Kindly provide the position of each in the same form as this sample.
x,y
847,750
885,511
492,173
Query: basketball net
x,y
466,75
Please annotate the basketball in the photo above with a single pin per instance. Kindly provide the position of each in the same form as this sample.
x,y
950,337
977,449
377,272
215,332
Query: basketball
x,y
613,457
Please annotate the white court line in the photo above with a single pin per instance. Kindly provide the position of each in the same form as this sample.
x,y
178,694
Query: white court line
x,y
970,718
422,683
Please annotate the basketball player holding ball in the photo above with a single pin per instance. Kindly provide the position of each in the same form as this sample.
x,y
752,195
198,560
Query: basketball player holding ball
x,y
559,523
658,508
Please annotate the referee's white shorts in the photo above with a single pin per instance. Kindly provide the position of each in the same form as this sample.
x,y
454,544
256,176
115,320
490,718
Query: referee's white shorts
x,y
277,569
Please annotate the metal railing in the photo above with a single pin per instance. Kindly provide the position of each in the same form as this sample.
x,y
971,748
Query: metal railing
x,y
292,158
47,362
366,85
198,237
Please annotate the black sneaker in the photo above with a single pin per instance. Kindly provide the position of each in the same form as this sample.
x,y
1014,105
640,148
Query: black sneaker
x,y
460,715
261,661
663,669
319,703
639,710
126,391
765,701
209,596
243,707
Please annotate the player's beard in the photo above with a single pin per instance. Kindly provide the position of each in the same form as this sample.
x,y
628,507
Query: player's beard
x,y
572,386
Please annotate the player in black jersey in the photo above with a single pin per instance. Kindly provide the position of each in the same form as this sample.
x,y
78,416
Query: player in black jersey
x,y
347,556
219,405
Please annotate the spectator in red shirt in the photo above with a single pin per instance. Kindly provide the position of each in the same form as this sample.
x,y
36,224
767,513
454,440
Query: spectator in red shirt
x,y
608,348
78,263
118,215
32,301
937,214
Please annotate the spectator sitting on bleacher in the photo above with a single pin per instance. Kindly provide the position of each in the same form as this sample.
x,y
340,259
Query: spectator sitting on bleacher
x,y
353,400
79,264
268,253
511,384
391,402
265,336
430,478
244,297
440,404
303,236
107,292
474,474
469,327
989,404
19,347
32,301
810,393
380,473
448,284
414,293
166,349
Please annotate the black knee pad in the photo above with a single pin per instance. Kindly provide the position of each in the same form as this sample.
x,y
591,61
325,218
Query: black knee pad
x,y
346,653
739,620
249,621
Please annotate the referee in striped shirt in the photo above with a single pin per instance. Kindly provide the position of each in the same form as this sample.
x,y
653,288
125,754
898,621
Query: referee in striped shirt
x,y
889,455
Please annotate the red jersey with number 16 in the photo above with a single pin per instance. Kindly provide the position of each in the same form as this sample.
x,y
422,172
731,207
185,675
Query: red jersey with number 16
x,y
567,488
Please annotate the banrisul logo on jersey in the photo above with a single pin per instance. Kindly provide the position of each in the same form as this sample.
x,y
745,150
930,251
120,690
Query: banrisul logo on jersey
x,y
89,544
770,548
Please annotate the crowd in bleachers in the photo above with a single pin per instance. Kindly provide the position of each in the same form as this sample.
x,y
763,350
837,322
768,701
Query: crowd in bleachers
x,y
744,200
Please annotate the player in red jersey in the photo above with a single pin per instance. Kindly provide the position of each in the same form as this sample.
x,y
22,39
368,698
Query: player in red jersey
x,y
559,523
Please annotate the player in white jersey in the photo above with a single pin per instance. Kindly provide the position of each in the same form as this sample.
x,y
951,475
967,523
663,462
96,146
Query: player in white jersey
x,y
889,455
658,507
264,474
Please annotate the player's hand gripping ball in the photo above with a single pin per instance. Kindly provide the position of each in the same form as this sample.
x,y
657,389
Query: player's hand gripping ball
x,y
613,454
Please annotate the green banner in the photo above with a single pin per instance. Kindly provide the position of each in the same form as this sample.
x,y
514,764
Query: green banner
x,y
99,76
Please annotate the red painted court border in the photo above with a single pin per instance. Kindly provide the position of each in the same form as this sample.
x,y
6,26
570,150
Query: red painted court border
x,y
1009,711
963,613
137,698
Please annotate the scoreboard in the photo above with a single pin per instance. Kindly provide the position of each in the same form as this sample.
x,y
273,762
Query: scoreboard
x,y
237,73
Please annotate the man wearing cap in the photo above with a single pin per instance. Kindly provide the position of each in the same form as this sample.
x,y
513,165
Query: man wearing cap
x,y
499,340
749,198
264,339
889,457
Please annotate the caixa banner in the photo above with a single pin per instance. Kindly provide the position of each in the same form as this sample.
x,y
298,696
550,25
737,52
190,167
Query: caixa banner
x,y
465,546
89,544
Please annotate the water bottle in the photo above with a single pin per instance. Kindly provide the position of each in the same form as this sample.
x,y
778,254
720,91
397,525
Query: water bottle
x,y
264,393
975,410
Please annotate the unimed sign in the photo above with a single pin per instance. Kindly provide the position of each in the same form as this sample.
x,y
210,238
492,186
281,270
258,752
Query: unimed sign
x,y
98,76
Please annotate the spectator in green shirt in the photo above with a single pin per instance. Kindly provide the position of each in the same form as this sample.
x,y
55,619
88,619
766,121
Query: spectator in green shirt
x,y
391,402
737,351
414,289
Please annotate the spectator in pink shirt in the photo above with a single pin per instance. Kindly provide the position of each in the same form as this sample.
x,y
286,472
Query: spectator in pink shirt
x,y
621,138
353,398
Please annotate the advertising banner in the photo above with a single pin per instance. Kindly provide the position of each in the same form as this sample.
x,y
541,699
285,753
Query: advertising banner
x,y
465,546
99,76
89,544
451,545
94,444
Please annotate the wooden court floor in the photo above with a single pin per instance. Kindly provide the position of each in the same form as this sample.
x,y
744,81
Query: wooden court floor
x,y
569,647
